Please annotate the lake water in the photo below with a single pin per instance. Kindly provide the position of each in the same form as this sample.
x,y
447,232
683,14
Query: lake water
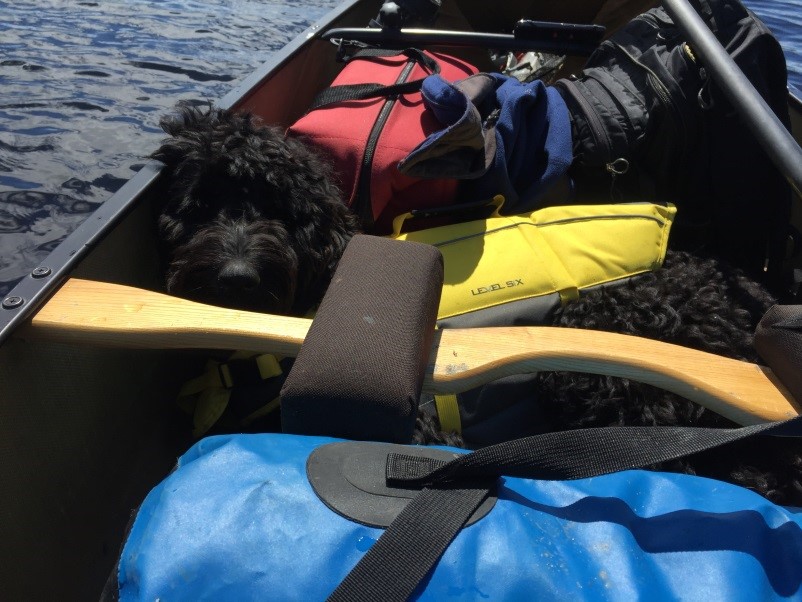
x,y
85,83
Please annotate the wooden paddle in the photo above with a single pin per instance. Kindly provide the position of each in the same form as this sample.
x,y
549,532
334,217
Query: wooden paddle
x,y
88,312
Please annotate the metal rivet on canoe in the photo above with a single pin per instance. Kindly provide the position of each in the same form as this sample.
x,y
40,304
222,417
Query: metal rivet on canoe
x,y
13,302
41,272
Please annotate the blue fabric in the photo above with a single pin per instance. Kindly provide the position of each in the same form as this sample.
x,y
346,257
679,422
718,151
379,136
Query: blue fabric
x,y
448,104
238,521
524,127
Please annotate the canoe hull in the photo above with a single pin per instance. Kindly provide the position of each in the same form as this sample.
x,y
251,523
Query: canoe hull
x,y
86,432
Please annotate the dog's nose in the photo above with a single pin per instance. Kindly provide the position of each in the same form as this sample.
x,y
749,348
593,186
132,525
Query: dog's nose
x,y
238,276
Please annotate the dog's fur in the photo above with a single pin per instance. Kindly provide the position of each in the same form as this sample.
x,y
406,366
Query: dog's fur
x,y
699,303
252,220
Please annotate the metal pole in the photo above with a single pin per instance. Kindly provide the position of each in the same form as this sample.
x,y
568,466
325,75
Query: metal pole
x,y
558,38
769,131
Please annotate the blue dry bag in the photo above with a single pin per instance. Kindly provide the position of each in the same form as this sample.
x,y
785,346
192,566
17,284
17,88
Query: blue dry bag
x,y
284,517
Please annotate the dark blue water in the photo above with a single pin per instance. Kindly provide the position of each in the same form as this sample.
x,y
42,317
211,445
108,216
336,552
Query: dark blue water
x,y
85,83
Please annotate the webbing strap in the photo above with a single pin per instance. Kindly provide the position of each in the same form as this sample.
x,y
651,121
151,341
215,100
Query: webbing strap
x,y
207,396
392,568
411,546
238,369
350,92
448,413
584,453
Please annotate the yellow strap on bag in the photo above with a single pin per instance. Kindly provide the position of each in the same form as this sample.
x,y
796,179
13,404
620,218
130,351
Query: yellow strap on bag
x,y
447,406
562,249
500,260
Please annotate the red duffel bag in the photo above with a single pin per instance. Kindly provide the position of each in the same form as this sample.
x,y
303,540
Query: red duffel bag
x,y
369,119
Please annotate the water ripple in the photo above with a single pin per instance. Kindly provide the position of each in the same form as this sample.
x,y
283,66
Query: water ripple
x,y
191,73
782,18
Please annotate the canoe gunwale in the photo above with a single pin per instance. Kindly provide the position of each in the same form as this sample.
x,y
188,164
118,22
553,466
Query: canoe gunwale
x,y
73,249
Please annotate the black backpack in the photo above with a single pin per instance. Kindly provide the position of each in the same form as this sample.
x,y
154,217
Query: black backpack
x,y
648,124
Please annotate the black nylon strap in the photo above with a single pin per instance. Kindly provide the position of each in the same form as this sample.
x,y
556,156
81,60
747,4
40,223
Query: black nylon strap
x,y
414,54
399,560
350,92
591,452
406,552
346,93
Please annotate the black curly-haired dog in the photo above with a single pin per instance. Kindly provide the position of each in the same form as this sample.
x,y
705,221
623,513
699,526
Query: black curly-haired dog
x,y
250,219
691,301
699,303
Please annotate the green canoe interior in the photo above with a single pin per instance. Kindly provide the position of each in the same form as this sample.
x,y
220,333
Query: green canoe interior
x,y
86,432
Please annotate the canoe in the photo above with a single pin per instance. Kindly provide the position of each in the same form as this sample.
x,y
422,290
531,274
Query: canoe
x,y
87,430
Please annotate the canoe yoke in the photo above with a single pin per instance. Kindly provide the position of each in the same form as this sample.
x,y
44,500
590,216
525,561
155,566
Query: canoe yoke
x,y
375,348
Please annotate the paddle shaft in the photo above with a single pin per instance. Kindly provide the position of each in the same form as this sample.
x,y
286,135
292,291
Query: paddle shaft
x,y
88,312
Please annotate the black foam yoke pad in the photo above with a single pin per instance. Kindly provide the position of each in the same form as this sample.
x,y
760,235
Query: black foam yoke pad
x,y
360,370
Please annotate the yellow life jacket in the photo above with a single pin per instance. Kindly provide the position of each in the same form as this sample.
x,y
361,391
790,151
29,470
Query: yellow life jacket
x,y
551,254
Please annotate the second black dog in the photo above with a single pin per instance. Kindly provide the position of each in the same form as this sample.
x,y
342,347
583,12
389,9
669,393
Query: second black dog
x,y
697,302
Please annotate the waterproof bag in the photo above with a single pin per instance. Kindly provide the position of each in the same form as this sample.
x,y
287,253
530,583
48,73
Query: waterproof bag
x,y
367,121
778,340
281,517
